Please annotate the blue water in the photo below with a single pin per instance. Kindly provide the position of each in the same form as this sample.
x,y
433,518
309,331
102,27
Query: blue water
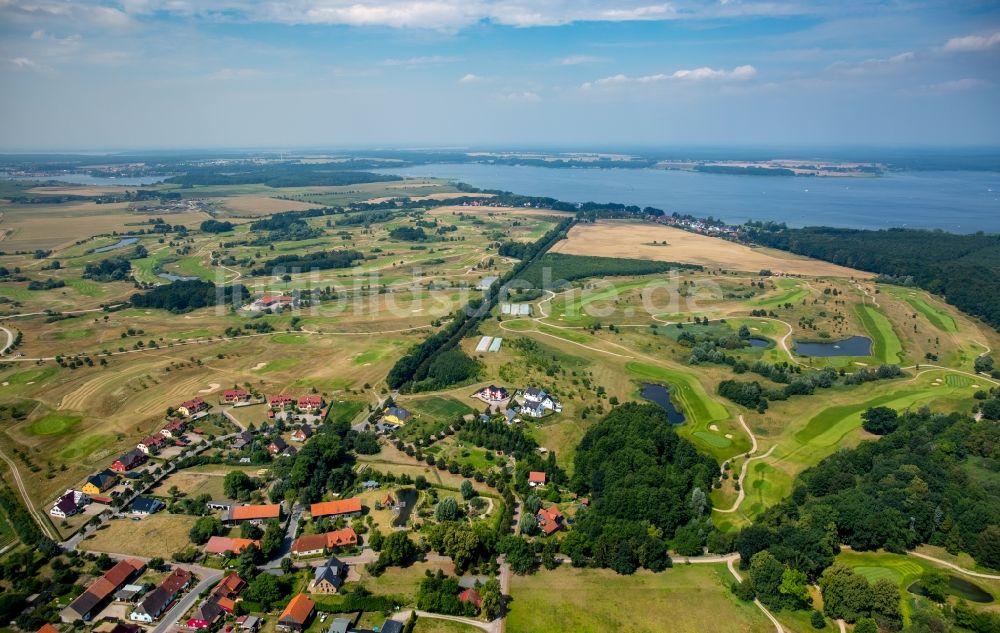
x,y
87,179
853,346
661,396
119,244
173,277
956,201
758,342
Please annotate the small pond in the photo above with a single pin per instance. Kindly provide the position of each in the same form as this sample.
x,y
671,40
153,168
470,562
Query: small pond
x,y
958,587
119,244
853,346
407,498
758,342
661,396
173,277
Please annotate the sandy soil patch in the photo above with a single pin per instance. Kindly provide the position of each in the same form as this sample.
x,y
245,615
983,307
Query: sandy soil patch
x,y
212,386
261,204
634,240
259,366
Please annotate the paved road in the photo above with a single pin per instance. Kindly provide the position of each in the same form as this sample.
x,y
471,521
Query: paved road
x,y
286,543
186,602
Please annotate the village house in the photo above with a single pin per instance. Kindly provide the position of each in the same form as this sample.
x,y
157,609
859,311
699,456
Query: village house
x,y
242,440
222,544
313,544
297,614
248,623
157,600
222,600
536,478
346,508
252,513
98,483
471,596
273,303
235,396
328,577
280,402
396,415
302,433
310,404
549,520
152,444
91,601
129,461
71,502
144,506
192,406
173,428
277,446
494,393
537,402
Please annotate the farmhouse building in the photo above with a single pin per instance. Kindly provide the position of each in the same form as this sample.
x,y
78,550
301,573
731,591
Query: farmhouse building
x,y
495,393
91,601
173,428
71,502
152,444
536,478
302,433
192,406
340,508
297,614
96,484
312,544
396,415
222,544
128,461
235,396
252,513
277,446
549,520
222,600
329,577
471,596
157,600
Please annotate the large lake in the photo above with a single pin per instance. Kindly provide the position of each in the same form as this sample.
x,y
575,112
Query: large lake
x,y
956,201
87,179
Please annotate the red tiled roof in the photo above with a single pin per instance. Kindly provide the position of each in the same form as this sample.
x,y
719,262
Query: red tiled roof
x,y
549,519
47,628
340,506
472,596
281,397
231,584
220,544
536,477
235,393
310,401
244,513
314,542
193,403
298,610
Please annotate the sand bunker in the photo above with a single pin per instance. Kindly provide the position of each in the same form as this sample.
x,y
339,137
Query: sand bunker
x,y
713,428
212,386
258,366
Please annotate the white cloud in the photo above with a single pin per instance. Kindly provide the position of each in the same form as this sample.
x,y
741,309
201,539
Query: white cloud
x,y
576,60
25,63
424,60
972,43
739,73
522,97
470,79
874,65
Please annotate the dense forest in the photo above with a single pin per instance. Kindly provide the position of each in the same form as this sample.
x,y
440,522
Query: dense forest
x,y
184,296
286,175
216,226
965,269
560,267
643,480
320,260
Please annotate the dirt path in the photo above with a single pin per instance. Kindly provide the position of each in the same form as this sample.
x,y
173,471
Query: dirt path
x,y
743,473
10,340
953,566
39,518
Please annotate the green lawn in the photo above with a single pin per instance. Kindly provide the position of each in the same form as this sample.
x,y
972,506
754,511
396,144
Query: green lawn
x,y
84,446
345,410
886,347
278,364
793,293
54,424
439,407
433,625
35,375
691,598
287,338
86,287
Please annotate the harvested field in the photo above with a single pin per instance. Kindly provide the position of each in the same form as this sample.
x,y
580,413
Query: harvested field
x,y
157,535
635,240
260,204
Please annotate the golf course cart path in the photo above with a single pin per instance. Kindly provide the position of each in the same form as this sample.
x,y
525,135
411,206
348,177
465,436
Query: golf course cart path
x,y
953,566
743,473
10,340
490,627
736,575
39,518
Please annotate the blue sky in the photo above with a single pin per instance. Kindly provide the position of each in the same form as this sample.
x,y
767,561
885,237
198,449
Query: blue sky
x,y
584,73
